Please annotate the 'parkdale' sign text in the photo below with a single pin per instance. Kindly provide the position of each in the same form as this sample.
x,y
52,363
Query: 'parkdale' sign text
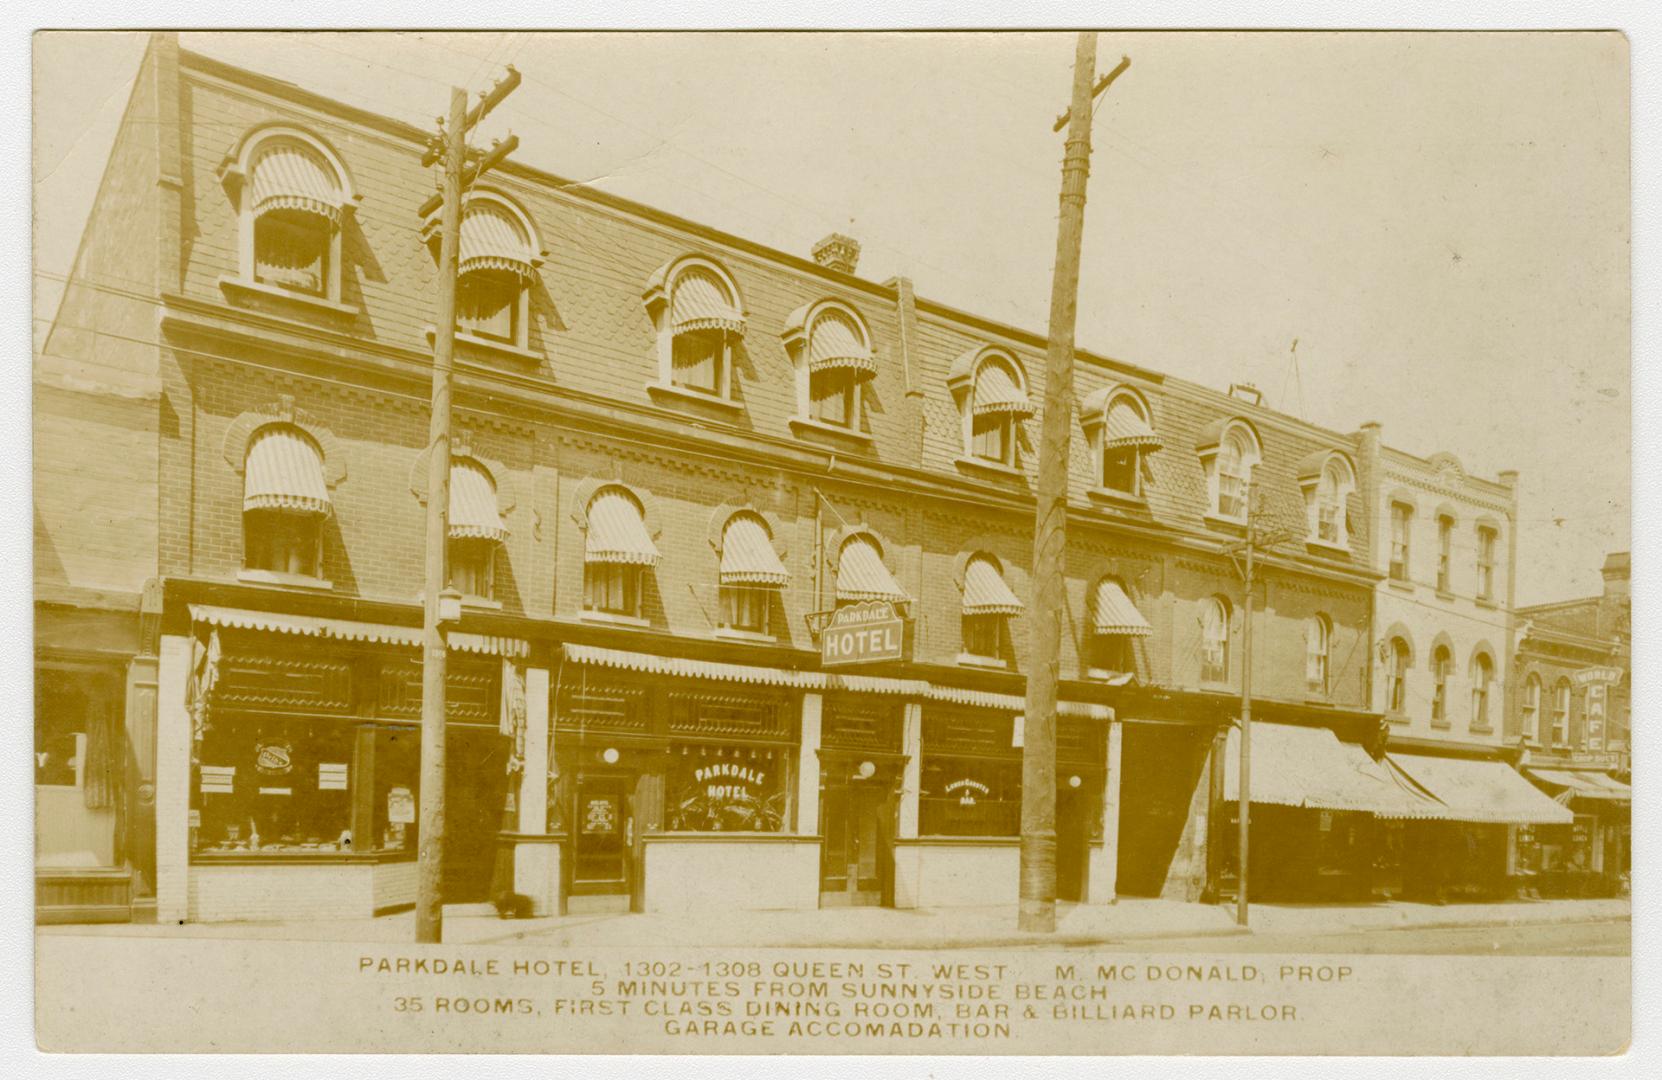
x,y
862,633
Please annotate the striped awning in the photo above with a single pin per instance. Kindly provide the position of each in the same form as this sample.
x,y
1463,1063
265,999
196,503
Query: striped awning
x,y
996,392
747,555
836,344
1584,784
291,176
688,668
1488,792
861,574
617,531
493,240
352,630
702,301
1114,613
1126,427
1311,768
985,591
473,514
284,471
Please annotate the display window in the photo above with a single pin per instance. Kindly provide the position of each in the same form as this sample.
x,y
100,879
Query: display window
x,y
724,787
397,785
969,796
274,786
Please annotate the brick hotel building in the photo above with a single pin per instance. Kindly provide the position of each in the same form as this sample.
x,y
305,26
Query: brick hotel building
x,y
674,446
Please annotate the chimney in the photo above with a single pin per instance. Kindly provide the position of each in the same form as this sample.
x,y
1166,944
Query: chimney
x,y
1616,605
1509,478
838,252
1245,391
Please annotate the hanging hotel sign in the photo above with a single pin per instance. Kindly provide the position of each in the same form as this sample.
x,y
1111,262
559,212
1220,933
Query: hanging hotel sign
x,y
862,633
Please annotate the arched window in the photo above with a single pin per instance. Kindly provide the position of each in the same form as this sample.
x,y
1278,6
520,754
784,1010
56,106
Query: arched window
x,y
988,604
496,263
285,502
695,306
1116,623
617,551
1530,719
1117,421
1402,520
1318,636
861,573
990,386
1214,639
1396,677
1229,462
476,529
751,574
1445,552
1483,672
831,348
1488,539
1441,664
294,197
1561,713
1328,480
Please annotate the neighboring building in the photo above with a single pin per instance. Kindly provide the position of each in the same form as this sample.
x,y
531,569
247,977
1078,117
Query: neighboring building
x,y
1571,718
677,452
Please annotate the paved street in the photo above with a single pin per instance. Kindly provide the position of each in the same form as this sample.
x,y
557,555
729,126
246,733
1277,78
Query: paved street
x,y
1606,938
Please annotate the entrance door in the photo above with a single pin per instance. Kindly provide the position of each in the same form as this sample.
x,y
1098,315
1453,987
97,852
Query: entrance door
x,y
603,830
855,859
475,785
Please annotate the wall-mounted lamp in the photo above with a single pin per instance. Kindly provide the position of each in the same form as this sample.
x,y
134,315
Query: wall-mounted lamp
x,y
450,607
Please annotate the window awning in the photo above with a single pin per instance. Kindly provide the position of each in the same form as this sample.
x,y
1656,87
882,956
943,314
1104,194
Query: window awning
x,y
617,532
996,392
1126,428
1584,784
1310,767
985,591
284,471
861,574
701,301
288,176
1481,791
351,630
1115,613
835,344
473,514
747,554
493,240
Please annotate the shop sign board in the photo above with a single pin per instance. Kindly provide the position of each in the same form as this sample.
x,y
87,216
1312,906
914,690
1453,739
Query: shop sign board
x,y
1593,675
862,633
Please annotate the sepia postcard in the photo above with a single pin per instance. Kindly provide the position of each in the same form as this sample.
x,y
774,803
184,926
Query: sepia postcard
x,y
917,543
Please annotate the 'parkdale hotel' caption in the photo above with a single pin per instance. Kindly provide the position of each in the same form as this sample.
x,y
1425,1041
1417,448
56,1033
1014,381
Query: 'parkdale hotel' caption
x,y
678,454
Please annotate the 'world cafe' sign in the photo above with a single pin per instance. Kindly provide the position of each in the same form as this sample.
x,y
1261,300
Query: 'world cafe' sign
x,y
862,634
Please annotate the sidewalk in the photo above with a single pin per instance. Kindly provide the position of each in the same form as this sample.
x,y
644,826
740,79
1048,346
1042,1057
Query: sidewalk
x,y
884,928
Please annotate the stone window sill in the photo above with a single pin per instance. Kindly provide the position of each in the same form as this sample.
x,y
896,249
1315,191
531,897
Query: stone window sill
x,y
978,661
1441,725
293,581
1225,524
235,287
476,344
1326,547
989,468
1444,594
1400,586
755,637
1114,497
613,618
483,603
801,425
668,393
1481,729
1398,718
1486,602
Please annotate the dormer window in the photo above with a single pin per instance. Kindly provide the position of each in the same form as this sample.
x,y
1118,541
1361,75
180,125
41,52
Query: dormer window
x,y
991,387
1328,480
1229,461
695,308
293,197
1117,422
831,348
495,265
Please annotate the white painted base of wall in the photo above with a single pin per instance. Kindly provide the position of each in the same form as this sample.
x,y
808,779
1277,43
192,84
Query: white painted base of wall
x,y
537,875
732,875
395,884
931,874
256,893
1101,873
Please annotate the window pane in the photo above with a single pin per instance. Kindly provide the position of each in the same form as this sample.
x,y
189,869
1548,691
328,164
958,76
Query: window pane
x,y
745,607
291,249
719,787
269,784
696,357
1120,470
990,437
981,635
612,588
831,397
487,304
471,565
963,796
281,541
397,790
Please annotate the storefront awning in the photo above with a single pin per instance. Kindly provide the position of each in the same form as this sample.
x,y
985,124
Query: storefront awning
x,y
617,532
747,554
836,345
1310,767
283,471
756,675
996,392
861,574
985,591
1126,427
987,699
1584,784
289,176
493,240
351,630
701,301
1115,613
1480,791
473,514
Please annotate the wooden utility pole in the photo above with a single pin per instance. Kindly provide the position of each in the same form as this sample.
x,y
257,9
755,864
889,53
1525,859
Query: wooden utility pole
x,y
1255,539
1038,763
450,147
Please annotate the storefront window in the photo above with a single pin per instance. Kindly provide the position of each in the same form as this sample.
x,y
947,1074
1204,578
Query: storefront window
x,y
397,789
274,786
966,796
720,787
